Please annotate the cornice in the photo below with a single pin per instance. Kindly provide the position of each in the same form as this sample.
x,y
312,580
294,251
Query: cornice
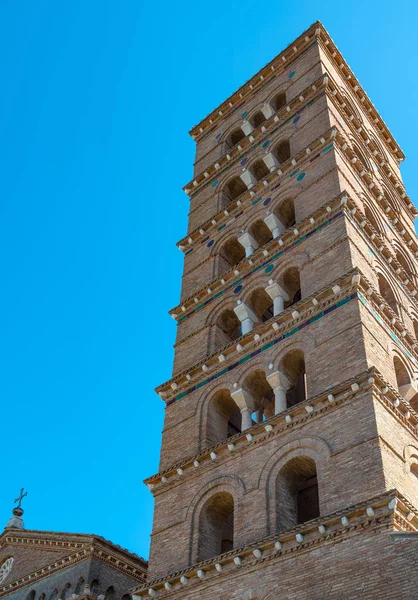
x,y
269,127
79,551
386,511
315,34
290,419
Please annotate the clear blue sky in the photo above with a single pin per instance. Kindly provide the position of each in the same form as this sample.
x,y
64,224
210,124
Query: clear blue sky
x,y
97,99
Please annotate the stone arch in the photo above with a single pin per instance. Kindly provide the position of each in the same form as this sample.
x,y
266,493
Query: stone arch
x,y
314,448
405,261
374,218
387,291
256,116
411,460
232,136
284,209
228,484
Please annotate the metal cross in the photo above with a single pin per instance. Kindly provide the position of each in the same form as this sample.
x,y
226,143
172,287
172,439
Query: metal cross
x,y
21,496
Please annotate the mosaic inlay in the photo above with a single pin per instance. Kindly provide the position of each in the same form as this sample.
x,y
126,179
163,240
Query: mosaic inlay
x,y
265,347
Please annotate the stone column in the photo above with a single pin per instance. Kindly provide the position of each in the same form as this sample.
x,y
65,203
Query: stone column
x,y
280,385
278,295
249,243
246,405
246,316
274,224
248,178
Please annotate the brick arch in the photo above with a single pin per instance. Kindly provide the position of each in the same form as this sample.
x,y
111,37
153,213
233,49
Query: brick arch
x,y
392,282
257,593
313,447
227,483
380,222
228,300
202,407
284,87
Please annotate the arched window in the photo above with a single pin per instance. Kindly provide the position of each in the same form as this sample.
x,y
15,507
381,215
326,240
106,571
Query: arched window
x,y
42,596
228,328
290,282
126,597
257,119
223,418
279,101
216,526
233,188
66,591
110,593
234,137
31,595
406,387
94,587
261,304
387,293
297,497
260,232
54,594
293,367
282,151
415,324
406,265
361,158
79,588
285,212
259,169
373,221
230,254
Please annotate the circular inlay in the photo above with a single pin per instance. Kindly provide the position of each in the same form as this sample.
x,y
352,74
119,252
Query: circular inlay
x,y
5,568
215,183
254,202
268,269
221,227
300,176
244,160
218,136
244,114
296,119
291,74
209,244
238,289
267,201
266,144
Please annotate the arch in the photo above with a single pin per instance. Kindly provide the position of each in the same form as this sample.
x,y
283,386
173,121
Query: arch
x,y
278,101
79,588
290,282
216,526
31,595
231,253
361,157
285,212
66,591
228,328
42,596
259,169
260,232
234,137
232,189
261,304
415,326
297,495
54,594
94,586
126,597
257,119
292,365
281,151
314,448
406,264
374,220
261,393
110,593
387,293
223,418
405,382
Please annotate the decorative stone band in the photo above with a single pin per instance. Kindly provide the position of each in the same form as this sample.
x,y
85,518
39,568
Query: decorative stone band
x,y
295,166
298,316
292,418
383,512
232,279
315,34
260,136
83,552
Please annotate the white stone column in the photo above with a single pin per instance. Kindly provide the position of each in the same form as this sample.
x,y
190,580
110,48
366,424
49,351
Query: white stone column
x,y
246,316
249,243
248,178
280,385
246,405
267,111
271,161
274,224
278,295
247,128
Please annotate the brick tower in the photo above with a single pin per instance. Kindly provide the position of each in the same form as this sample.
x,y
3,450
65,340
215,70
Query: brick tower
x,y
289,461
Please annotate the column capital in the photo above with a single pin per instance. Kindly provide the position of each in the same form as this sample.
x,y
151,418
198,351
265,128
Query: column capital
x,y
270,161
247,128
278,380
243,399
244,312
247,240
274,223
248,178
267,111
274,289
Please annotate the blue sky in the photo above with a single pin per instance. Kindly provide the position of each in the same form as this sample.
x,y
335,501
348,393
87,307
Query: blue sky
x,y
97,99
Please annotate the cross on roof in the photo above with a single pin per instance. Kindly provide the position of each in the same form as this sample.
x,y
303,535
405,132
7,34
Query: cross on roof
x,y
20,498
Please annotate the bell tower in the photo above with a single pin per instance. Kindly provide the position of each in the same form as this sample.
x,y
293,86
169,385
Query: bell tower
x,y
289,460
